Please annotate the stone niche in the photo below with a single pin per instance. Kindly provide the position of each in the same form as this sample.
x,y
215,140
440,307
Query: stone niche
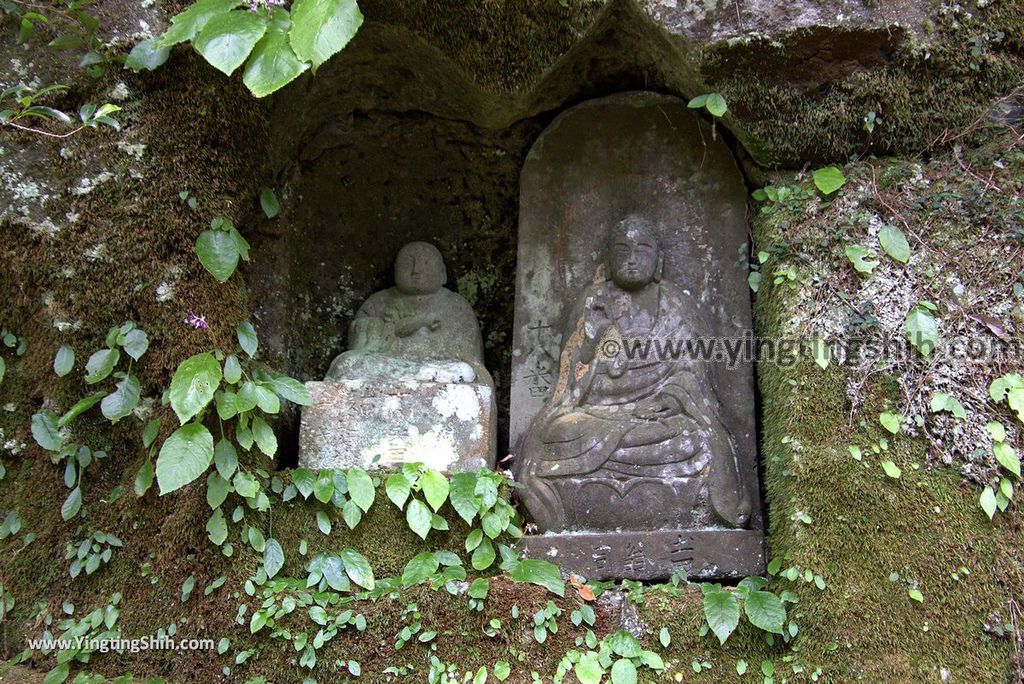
x,y
631,216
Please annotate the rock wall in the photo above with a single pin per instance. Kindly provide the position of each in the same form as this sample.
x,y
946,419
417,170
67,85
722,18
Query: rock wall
x,y
418,129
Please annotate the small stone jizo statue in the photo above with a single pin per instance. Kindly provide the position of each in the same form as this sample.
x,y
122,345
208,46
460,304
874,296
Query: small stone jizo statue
x,y
417,329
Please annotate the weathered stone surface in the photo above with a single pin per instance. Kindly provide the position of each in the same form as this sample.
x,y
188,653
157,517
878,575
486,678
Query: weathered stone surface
x,y
379,423
631,217
653,554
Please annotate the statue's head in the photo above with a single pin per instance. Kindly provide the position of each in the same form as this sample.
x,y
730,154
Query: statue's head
x,y
634,256
419,269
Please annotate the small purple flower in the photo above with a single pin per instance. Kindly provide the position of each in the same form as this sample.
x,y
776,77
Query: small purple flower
x,y
197,322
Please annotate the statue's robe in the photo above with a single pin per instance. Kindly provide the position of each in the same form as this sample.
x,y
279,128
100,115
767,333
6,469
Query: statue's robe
x,y
588,427
375,348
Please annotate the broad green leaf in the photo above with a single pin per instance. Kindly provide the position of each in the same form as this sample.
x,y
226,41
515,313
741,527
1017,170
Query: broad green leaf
x,y
323,488
397,488
185,456
100,365
247,339
360,488
829,179
1011,388
588,670
358,568
754,281
264,436
539,572
148,54
891,421
72,504
58,674
863,260
245,485
895,244
273,557
996,431
217,528
303,480
193,385
483,555
891,469
722,611
623,672
144,478
1007,457
765,611
267,399
321,28
256,539
352,514
80,407
988,502
218,253
268,201
288,388
435,488
323,522
225,458
422,566
45,431
136,343
123,400
232,369
502,670
922,330
216,489
227,39
624,644
716,105
186,25
945,402
664,637
462,495
273,63
480,587
64,362
418,516
698,102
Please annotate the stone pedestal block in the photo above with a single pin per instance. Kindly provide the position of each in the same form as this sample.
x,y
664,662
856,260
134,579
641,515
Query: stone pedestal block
x,y
382,423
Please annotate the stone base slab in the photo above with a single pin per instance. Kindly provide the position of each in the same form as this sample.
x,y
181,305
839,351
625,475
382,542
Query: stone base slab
x,y
446,426
653,555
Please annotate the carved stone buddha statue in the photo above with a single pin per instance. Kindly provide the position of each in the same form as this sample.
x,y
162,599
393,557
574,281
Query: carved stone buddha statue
x,y
412,386
625,425
417,330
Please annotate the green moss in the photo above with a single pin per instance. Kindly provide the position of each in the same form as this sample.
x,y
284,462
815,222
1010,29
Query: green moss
x,y
789,106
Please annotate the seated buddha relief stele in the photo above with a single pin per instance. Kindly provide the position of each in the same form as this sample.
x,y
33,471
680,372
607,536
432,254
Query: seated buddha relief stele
x,y
632,401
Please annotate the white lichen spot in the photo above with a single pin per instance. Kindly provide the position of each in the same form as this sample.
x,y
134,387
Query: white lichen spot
x,y
46,227
164,292
134,150
119,92
87,185
96,252
458,400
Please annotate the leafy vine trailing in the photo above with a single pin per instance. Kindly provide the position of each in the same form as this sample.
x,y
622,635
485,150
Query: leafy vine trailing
x,y
276,44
